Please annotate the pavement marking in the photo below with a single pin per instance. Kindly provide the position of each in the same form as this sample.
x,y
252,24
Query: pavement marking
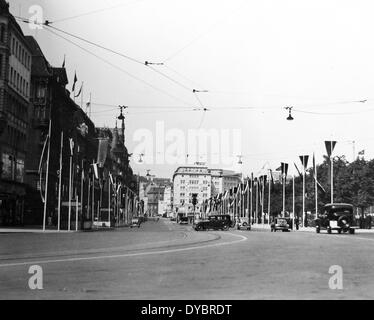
x,y
242,238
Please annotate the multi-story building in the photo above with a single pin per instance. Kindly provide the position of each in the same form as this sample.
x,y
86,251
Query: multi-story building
x,y
15,77
205,182
224,180
53,110
188,180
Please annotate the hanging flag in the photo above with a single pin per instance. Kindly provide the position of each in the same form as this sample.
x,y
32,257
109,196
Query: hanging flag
x,y
304,161
271,180
102,152
75,81
320,187
284,168
96,170
71,142
80,91
111,178
298,171
246,187
330,145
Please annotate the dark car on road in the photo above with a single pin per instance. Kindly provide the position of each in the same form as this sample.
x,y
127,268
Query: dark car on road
x,y
214,222
284,224
336,216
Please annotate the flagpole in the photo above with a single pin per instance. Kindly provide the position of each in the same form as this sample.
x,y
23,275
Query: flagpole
x,y
47,174
269,197
82,95
75,77
263,202
257,202
251,200
293,201
82,188
88,195
284,194
332,174
303,224
93,193
315,185
70,183
76,210
60,183
109,198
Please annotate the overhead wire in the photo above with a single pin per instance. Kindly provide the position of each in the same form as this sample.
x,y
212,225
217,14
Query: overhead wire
x,y
120,69
96,11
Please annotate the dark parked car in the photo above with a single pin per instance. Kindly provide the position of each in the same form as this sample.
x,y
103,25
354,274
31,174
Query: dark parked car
x,y
284,224
215,222
243,223
336,216
135,222
183,220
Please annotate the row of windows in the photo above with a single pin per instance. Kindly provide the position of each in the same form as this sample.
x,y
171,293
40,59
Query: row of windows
x,y
18,112
21,53
2,33
13,168
19,82
16,138
193,175
190,195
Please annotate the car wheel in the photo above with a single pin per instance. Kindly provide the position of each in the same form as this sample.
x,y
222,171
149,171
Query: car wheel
x,y
225,228
199,228
351,231
318,229
340,231
329,230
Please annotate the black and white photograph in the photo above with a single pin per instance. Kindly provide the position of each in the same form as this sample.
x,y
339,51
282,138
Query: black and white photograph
x,y
199,152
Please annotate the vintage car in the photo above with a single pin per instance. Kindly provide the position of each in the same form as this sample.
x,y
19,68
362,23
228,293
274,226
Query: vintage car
x,y
183,220
214,222
284,224
336,216
135,223
243,223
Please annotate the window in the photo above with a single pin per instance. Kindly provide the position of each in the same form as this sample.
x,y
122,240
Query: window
x,y
1,66
20,170
40,92
7,166
2,32
13,46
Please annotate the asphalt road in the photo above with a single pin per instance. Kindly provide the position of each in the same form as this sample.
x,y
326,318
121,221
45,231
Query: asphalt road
x,y
163,260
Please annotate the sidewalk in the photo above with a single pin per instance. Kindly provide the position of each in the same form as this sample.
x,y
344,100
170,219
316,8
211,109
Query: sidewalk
x,y
26,230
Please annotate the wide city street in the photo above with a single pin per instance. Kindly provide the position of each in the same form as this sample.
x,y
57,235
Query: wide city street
x,y
165,260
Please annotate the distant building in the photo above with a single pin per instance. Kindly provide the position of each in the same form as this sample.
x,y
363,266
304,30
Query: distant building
x,y
224,180
155,194
15,79
205,182
188,180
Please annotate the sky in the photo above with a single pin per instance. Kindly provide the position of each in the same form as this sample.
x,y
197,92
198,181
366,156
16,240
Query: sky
x,y
248,60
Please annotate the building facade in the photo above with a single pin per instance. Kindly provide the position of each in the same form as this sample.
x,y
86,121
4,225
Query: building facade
x,y
188,180
15,78
204,182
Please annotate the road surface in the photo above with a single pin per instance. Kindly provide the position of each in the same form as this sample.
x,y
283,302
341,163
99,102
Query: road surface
x,y
164,260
